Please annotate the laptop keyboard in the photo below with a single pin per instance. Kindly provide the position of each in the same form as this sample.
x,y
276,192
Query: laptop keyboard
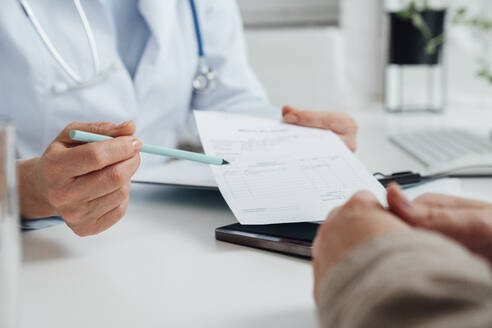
x,y
437,147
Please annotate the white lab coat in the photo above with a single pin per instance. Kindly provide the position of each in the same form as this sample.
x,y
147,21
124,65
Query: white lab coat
x,y
160,97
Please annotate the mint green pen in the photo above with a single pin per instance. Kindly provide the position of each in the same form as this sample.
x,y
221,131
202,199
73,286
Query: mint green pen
x,y
156,150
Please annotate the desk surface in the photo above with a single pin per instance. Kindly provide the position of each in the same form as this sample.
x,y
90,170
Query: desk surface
x,y
161,266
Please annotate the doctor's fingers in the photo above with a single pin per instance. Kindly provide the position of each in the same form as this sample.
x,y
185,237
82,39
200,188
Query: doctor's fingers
x,y
102,182
350,141
100,214
106,128
86,158
112,217
339,123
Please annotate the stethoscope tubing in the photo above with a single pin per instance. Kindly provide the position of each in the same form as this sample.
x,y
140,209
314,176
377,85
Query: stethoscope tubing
x,y
198,32
204,70
90,36
52,49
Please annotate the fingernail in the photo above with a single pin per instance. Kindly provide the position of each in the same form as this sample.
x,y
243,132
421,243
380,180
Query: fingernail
x,y
291,118
124,124
137,144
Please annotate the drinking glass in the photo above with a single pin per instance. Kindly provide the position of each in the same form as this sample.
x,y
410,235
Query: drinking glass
x,y
9,227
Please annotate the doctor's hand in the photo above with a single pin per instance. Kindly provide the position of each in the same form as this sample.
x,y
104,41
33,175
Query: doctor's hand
x,y
361,219
467,221
87,184
339,123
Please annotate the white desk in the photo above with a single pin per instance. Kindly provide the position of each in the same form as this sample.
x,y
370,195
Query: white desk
x,y
161,266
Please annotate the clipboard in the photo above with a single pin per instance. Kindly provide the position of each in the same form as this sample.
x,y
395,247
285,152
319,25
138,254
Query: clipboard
x,y
185,174
178,173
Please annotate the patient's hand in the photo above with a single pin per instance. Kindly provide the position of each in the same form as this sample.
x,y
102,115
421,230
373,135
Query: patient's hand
x,y
467,221
361,219
341,124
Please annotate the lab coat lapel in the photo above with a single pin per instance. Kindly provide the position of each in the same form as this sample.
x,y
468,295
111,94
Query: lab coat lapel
x,y
160,18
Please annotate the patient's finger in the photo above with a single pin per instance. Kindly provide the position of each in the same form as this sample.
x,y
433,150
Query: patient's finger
x,y
449,221
445,201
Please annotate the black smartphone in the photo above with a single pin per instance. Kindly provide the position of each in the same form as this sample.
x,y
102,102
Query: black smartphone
x,y
294,239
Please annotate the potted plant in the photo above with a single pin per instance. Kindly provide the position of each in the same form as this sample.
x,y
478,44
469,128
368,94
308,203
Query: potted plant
x,y
482,25
416,34
415,72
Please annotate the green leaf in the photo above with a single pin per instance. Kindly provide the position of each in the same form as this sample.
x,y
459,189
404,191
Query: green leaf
x,y
405,14
461,11
482,73
431,46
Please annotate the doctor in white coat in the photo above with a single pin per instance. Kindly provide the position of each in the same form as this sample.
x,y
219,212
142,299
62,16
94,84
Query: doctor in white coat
x,y
144,62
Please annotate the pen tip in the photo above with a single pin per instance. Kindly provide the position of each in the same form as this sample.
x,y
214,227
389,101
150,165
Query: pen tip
x,y
224,162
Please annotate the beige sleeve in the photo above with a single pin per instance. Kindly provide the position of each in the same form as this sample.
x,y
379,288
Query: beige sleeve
x,y
411,279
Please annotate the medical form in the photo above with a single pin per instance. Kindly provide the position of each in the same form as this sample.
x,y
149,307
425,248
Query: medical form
x,y
281,173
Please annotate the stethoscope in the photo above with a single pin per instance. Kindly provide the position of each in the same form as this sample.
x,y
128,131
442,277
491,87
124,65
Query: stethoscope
x,y
204,80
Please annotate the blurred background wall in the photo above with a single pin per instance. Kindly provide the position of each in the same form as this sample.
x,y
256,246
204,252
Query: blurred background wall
x,y
337,61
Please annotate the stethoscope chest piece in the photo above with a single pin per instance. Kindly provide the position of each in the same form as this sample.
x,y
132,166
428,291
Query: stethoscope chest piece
x,y
205,78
